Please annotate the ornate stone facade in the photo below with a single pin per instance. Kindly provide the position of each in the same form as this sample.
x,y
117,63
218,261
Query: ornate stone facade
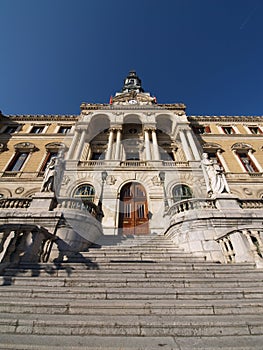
x,y
132,166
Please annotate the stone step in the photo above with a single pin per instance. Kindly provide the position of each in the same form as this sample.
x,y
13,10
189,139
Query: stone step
x,y
122,281
167,325
128,293
131,270
75,342
131,307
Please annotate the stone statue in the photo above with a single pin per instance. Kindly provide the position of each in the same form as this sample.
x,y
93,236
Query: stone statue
x,y
49,176
214,177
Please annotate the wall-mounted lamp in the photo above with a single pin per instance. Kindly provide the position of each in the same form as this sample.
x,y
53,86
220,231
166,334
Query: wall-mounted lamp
x,y
104,175
162,179
162,176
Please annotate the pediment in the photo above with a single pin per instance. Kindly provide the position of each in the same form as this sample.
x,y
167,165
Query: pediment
x,y
133,97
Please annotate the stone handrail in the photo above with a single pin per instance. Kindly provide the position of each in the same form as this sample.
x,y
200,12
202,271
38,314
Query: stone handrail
x,y
78,204
91,163
133,163
191,204
171,163
251,203
15,203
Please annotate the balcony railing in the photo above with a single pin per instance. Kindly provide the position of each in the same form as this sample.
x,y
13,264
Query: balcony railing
x,y
15,203
251,203
131,163
191,204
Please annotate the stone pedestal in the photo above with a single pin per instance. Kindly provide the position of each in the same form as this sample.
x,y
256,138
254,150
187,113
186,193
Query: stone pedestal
x,y
43,201
226,201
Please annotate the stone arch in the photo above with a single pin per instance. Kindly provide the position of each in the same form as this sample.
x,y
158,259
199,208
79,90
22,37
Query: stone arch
x,y
5,193
97,125
132,119
164,123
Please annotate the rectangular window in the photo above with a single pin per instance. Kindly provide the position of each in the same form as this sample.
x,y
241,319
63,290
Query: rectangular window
x,y
228,130
202,129
254,130
64,129
37,130
10,129
247,162
17,162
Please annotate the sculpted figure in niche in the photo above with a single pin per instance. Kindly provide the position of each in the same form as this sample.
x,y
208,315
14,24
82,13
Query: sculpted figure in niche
x,y
49,175
214,177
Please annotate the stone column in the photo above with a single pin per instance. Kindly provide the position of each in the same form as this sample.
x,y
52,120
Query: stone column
x,y
156,153
222,160
110,143
73,145
85,153
185,146
118,145
193,145
80,145
254,160
147,145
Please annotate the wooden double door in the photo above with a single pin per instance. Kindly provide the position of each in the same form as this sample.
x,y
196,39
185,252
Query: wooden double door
x,y
133,210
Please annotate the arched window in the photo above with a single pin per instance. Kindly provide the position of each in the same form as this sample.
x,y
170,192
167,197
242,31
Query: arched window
x,y
181,192
85,192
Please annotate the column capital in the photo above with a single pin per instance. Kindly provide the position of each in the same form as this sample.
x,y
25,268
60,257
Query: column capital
x,y
149,128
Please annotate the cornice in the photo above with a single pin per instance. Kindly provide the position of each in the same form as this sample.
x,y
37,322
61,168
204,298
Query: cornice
x,y
90,106
220,119
43,117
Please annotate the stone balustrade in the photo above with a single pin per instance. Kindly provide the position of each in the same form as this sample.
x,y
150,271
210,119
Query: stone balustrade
x,y
191,204
78,204
15,203
251,203
244,245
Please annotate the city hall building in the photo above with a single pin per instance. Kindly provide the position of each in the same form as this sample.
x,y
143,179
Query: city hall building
x,y
132,166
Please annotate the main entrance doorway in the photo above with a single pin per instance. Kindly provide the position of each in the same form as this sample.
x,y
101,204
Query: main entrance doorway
x,y
133,210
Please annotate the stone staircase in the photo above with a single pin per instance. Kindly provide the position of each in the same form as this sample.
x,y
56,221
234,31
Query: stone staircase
x,y
140,293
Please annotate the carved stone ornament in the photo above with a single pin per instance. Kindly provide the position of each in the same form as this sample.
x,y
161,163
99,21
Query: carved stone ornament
x,y
110,180
133,98
19,190
25,147
241,145
66,180
55,146
156,181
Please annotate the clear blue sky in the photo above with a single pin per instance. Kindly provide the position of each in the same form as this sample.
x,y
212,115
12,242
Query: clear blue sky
x,y
56,54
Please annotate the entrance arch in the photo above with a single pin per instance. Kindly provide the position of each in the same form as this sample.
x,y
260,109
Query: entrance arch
x,y
133,210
